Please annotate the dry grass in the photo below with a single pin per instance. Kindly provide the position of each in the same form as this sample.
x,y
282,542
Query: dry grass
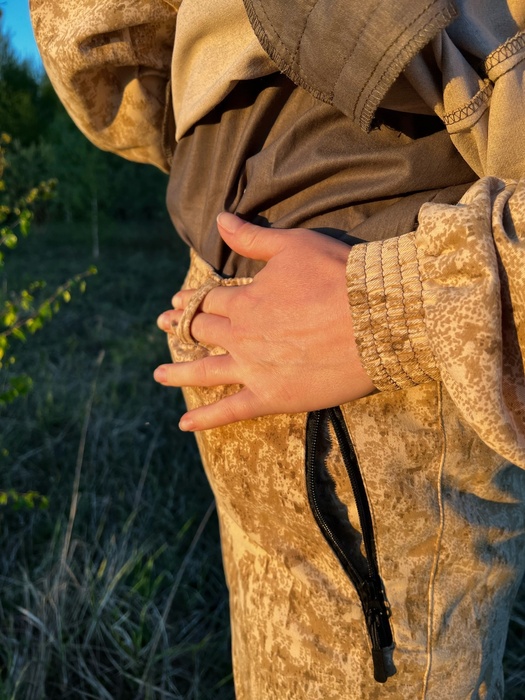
x,y
116,590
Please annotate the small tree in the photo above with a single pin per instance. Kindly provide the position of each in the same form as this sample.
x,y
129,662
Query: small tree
x,y
24,312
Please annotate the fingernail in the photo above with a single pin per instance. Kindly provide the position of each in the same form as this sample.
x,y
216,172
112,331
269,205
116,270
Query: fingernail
x,y
176,302
164,322
186,424
160,374
230,222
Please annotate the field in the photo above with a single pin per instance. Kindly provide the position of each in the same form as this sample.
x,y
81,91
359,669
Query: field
x,y
125,597
115,590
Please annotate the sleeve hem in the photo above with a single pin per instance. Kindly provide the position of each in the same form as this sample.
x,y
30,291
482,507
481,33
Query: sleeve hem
x,y
386,299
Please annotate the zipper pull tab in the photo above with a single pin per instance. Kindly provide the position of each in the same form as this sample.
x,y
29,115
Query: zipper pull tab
x,y
378,624
383,663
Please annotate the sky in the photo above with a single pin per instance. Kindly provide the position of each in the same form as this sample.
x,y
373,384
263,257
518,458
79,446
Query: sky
x,y
16,22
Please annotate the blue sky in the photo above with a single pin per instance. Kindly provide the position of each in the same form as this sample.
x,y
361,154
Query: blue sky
x,y
16,22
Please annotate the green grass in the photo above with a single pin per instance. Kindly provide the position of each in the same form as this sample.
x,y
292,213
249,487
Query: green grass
x,y
116,589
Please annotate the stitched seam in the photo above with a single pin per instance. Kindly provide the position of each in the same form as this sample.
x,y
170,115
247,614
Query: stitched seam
x,y
356,43
437,550
253,17
301,35
295,76
397,64
405,315
390,46
506,50
482,96
511,67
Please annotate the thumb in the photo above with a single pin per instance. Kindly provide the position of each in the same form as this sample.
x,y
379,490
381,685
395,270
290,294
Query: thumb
x,y
250,240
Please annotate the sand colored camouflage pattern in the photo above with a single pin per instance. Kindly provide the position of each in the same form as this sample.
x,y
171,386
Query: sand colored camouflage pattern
x,y
448,300
110,65
449,519
439,314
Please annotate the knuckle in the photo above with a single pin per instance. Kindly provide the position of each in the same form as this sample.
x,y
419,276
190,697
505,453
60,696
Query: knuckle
x,y
207,304
229,411
172,374
180,299
196,326
204,372
248,229
207,372
238,302
252,235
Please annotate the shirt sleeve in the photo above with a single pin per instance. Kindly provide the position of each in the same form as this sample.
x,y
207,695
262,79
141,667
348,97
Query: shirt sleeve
x,y
447,301
110,66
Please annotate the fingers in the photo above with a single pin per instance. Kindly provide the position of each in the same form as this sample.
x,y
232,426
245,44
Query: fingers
x,y
215,302
205,328
250,240
210,371
233,408
169,320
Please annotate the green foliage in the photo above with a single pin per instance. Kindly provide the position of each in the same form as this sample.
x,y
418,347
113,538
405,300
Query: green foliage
x,y
30,500
22,102
15,387
123,190
24,312
28,174
46,144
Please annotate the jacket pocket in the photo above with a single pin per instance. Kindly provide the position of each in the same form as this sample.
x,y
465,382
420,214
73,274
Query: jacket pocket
x,y
360,566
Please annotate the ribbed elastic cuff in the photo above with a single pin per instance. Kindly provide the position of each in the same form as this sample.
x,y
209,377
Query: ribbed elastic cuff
x,y
386,299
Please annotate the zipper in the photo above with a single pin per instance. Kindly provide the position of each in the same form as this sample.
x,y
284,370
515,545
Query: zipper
x,y
369,587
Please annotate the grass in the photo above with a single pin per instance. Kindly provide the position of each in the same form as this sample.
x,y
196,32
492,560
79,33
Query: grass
x,y
115,591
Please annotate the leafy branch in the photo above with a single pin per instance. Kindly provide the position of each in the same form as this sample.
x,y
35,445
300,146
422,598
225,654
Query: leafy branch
x,y
35,319
23,313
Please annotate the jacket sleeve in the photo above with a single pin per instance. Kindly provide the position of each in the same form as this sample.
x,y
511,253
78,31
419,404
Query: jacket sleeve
x,y
447,301
110,66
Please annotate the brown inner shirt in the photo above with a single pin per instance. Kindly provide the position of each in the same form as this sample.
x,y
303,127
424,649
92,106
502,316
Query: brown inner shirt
x,y
275,155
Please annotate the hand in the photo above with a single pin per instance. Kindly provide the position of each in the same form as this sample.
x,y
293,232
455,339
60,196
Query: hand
x,y
288,335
